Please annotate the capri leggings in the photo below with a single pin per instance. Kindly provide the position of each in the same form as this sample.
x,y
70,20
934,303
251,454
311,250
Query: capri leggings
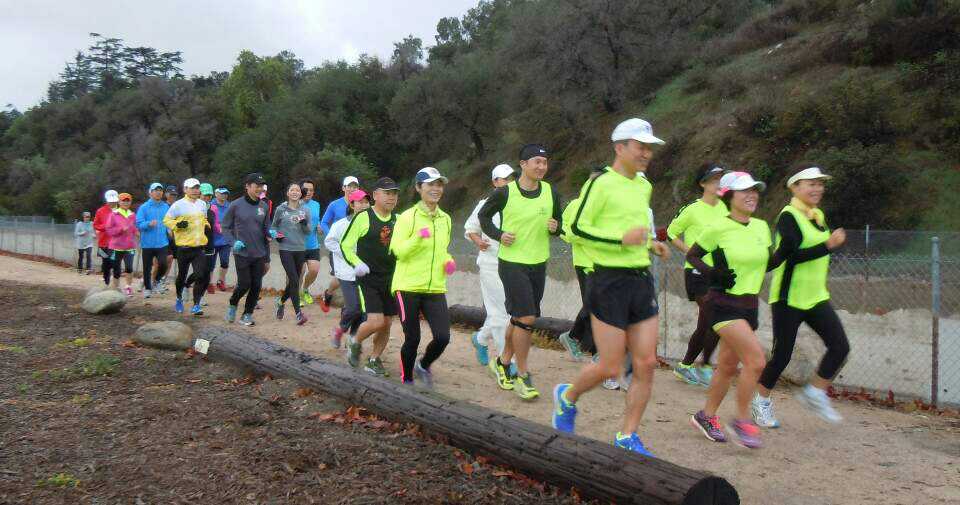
x,y
786,322
434,309
292,262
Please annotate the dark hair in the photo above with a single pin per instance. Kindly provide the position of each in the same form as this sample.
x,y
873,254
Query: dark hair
x,y
727,198
298,185
306,180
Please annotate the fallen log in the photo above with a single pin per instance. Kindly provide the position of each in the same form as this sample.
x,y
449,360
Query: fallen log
x,y
473,316
596,469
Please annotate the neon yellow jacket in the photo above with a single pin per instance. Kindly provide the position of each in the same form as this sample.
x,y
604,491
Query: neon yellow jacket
x,y
421,261
194,213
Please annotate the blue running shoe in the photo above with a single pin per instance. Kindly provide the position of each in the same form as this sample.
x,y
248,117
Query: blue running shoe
x,y
424,374
482,355
686,373
178,306
564,412
704,375
196,310
231,314
631,442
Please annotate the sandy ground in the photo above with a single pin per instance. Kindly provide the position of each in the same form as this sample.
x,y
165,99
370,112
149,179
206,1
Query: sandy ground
x,y
876,456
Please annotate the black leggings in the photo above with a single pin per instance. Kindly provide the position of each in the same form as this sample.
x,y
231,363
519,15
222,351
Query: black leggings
x,y
434,309
84,253
106,264
148,255
823,320
249,279
582,331
187,257
703,339
292,262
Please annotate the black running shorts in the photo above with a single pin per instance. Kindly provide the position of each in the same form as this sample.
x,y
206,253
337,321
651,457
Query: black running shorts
x,y
523,287
728,308
622,297
375,296
313,255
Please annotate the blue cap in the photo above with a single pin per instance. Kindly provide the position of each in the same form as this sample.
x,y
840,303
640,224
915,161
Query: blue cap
x,y
156,185
223,190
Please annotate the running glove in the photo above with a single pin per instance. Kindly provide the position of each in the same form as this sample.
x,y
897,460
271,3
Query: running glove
x,y
424,232
239,246
361,269
183,224
724,277
450,267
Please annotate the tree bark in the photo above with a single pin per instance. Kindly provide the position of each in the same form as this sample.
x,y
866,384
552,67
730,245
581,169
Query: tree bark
x,y
596,469
473,316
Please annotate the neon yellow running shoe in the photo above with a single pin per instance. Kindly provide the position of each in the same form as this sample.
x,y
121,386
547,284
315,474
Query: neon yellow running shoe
x,y
523,386
306,298
499,373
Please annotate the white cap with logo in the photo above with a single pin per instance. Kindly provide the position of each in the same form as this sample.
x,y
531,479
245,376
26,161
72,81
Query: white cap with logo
x,y
807,174
738,181
190,183
429,174
501,171
348,180
111,196
635,129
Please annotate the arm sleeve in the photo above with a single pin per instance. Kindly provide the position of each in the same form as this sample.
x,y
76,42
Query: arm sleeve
x,y
557,212
327,219
473,222
568,214
276,220
332,240
226,225
493,205
99,224
405,241
695,257
266,232
143,224
357,228
790,239
589,213
679,224
78,230
170,219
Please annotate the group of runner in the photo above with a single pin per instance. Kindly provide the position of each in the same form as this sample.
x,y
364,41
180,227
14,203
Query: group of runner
x,y
390,265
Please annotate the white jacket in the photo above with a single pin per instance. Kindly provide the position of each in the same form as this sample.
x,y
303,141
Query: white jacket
x,y
341,269
488,257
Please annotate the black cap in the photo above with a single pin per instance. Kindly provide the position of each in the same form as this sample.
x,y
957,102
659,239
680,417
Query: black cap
x,y
709,171
254,178
532,151
172,189
386,184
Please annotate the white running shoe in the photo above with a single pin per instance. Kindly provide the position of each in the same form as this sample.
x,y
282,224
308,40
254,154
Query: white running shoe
x,y
762,411
146,294
818,402
611,384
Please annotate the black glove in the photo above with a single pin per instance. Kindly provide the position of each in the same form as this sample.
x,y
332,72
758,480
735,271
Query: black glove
x,y
183,224
724,277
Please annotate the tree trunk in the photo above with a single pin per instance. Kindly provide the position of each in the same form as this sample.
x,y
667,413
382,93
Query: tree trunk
x,y
474,316
596,469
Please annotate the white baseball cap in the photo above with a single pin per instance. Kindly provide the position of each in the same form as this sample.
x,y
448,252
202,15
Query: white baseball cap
x,y
738,181
636,129
429,174
191,182
348,180
501,171
807,174
111,196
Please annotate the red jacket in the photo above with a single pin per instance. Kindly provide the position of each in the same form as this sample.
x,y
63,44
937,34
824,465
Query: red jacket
x,y
100,221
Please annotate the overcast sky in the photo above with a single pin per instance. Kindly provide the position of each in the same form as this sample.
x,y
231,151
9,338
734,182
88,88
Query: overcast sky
x,y
37,37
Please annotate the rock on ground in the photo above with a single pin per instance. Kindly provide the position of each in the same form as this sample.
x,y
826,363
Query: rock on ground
x,y
171,335
104,302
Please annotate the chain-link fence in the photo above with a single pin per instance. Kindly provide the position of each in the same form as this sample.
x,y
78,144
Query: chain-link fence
x,y
899,301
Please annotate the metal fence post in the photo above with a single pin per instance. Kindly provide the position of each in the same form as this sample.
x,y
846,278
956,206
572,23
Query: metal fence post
x,y
935,282
53,232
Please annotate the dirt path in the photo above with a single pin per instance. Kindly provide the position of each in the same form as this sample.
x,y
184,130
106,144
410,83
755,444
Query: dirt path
x,y
876,456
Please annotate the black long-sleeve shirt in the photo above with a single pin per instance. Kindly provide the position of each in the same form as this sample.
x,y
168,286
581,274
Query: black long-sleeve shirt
x,y
498,201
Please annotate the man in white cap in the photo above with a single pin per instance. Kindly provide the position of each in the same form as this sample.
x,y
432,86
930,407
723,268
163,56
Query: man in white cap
x,y
491,288
614,230
187,219
335,211
100,220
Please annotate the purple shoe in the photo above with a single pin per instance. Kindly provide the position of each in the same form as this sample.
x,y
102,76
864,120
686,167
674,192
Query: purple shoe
x,y
709,426
748,434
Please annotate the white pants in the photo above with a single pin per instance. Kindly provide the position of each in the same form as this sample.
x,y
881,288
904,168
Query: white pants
x,y
494,328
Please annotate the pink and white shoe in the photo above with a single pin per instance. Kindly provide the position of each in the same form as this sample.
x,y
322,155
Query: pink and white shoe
x,y
336,336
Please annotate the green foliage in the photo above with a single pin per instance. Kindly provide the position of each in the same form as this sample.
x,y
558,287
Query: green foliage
x,y
59,480
329,166
100,365
254,81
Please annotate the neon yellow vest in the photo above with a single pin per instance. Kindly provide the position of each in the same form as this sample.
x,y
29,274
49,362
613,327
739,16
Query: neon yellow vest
x,y
806,284
526,219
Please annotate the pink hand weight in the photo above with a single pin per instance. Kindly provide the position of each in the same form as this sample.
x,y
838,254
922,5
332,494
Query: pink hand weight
x,y
424,232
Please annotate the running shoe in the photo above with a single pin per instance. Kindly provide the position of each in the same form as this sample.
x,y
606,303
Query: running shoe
x,y
571,345
709,426
222,286
146,294
631,442
499,372
482,355
203,302
704,375
817,401
211,289
178,306
305,298
374,367
512,369
762,411
747,434
325,300
279,305
128,291
301,318
196,310
611,384
231,314
247,320
423,374
336,336
564,412
523,386
686,373
408,383
353,354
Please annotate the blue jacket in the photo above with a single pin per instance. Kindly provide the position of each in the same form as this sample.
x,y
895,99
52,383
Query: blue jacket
x,y
218,239
152,237
310,240
336,211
